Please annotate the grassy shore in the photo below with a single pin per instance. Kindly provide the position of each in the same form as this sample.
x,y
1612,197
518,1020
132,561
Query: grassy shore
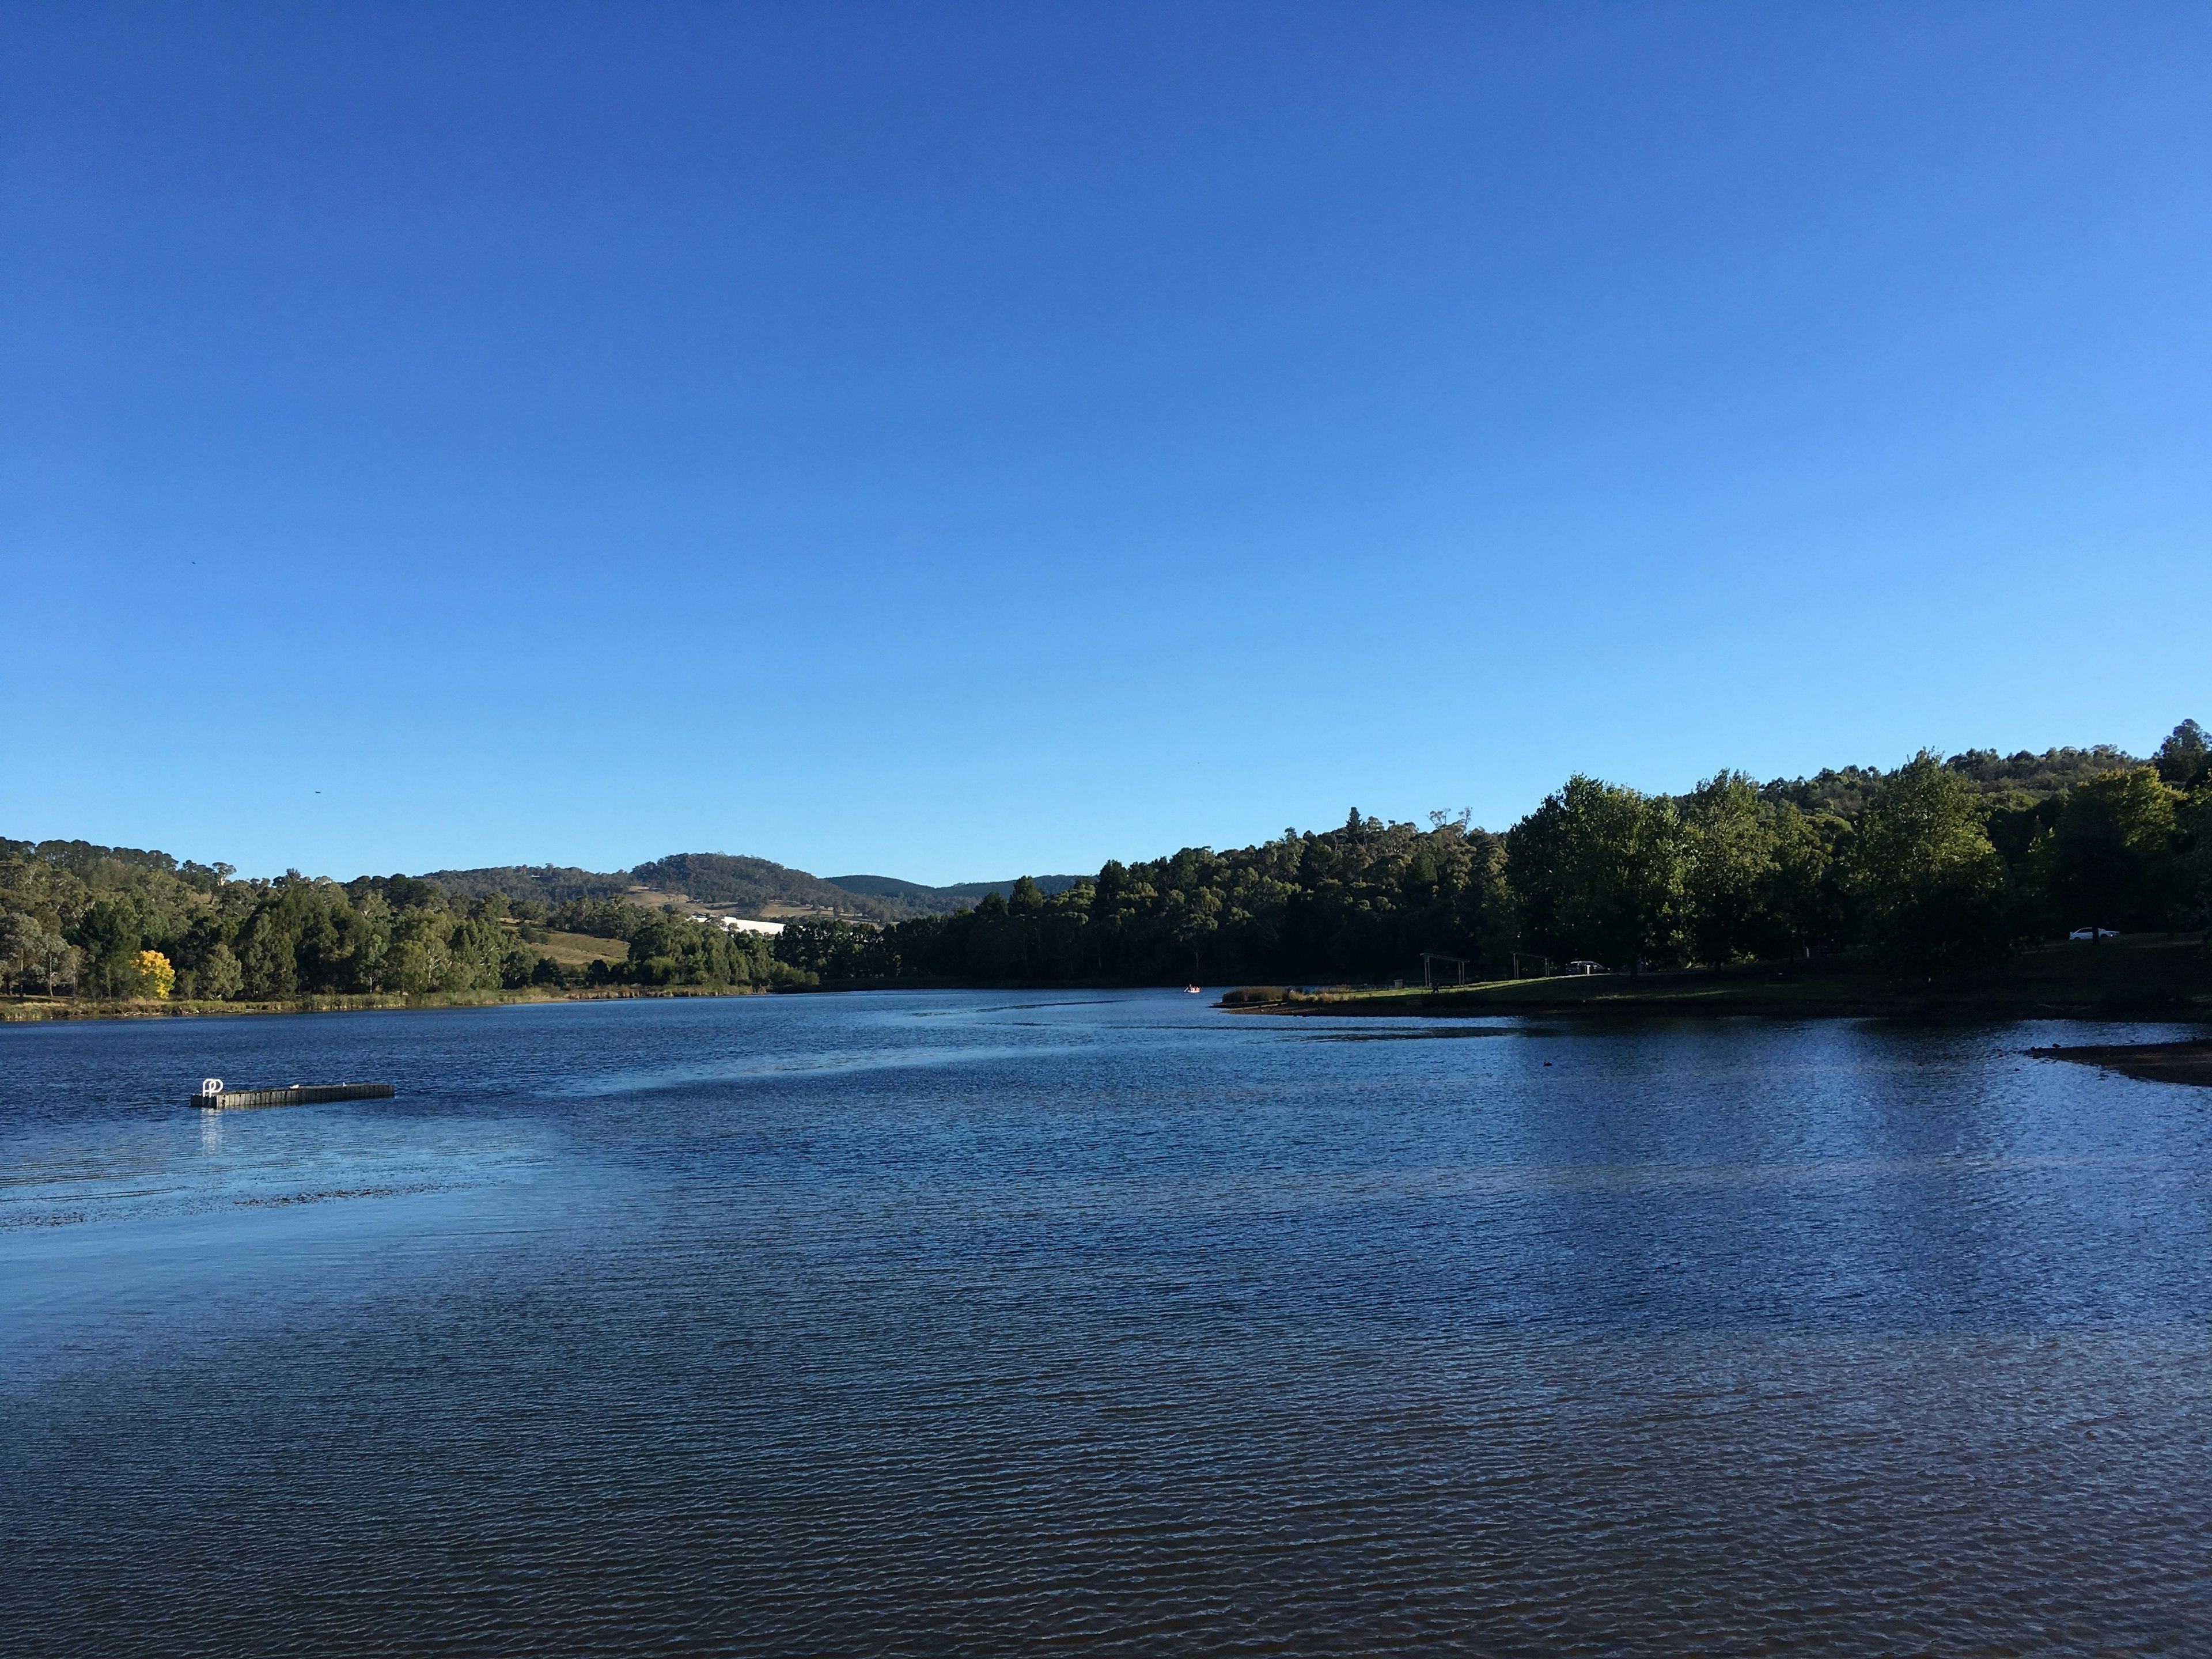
x,y
19,1010
2154,976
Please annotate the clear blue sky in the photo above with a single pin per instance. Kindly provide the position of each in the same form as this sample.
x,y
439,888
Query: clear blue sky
x,y
952,440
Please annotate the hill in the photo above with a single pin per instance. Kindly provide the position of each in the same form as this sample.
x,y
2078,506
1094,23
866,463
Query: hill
x,y
555,883
941,900
2024,776
730,883
755,886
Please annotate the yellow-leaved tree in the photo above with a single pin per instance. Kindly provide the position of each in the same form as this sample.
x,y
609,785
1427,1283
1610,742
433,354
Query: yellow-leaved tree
x,y
156,978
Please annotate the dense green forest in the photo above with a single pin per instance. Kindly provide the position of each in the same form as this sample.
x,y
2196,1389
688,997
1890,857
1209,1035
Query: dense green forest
x,y
1935,861
108,921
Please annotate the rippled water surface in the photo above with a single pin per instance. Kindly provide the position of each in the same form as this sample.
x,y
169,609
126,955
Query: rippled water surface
x,y
983,1323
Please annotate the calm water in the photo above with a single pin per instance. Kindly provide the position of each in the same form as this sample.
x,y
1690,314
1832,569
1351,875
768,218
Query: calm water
x,y
983,1323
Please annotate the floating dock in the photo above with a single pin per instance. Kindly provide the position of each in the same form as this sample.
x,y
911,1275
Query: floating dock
x,y
213,1096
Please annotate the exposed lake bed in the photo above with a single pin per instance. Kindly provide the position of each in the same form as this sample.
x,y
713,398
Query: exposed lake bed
x,y
935,1323
2188,1062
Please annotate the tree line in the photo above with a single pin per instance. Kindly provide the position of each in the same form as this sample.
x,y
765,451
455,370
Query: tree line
x,y
115,922
1935,861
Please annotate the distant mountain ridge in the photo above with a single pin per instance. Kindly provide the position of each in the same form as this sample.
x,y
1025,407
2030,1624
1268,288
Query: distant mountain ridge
x,y
733,883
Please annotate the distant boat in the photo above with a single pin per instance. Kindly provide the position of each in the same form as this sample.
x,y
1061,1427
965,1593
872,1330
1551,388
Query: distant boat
x,y
1194,990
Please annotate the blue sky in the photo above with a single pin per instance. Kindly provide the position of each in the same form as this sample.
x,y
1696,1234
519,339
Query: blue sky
x,y
951,440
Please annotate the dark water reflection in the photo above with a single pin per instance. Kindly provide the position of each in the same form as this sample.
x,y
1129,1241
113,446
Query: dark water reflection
x,y
968,1324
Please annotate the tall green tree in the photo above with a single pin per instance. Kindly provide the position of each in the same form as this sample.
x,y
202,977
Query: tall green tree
x,y
109,934
1602,873
1732,845
2184,759
2109,860
1929,886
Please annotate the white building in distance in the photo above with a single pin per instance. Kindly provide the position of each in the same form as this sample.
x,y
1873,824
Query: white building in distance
x,y
744,924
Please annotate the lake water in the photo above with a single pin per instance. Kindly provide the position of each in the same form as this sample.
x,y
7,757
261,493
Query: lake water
x,y
994,1323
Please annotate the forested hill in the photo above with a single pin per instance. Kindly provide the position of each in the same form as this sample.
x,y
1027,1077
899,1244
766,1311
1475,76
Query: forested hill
x,y
1844,791
553,882
718,881
755,885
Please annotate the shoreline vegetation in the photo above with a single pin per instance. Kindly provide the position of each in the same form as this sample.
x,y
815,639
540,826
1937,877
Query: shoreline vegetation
x,y
2139,977
33,1010
2133,978
1941,881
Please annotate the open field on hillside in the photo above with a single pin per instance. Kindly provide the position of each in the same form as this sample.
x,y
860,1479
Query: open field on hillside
x,y
581,949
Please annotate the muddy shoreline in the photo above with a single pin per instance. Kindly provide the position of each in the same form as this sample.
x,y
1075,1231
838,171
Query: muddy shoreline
x,y
2187,1062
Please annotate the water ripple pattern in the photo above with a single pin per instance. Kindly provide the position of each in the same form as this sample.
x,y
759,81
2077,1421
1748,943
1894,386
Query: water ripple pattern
x,y
943,1324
